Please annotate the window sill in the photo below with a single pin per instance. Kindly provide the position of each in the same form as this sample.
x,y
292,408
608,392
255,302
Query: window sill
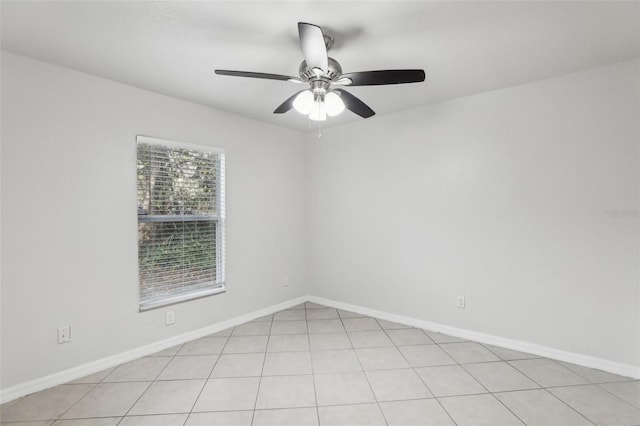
x,y
172,300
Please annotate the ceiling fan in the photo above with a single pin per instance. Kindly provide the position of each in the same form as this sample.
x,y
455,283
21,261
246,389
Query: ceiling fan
x,y
323,74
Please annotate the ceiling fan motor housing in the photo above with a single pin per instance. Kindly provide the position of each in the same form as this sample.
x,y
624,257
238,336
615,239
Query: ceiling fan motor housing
x,y
334,71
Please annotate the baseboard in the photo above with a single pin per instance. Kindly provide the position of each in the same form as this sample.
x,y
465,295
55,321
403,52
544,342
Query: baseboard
x,y
74,373
518,345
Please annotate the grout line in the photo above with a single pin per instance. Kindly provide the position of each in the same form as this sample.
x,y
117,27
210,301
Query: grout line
x,y
206,380
75,403
264,361
570,407
420,377
364,372
599,385
313,377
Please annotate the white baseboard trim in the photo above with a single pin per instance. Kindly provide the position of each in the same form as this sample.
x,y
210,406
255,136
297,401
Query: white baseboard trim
x,y
74,373
517,345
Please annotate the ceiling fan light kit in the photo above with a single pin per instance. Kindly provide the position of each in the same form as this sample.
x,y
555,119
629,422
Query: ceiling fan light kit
x,y
318,102
321,73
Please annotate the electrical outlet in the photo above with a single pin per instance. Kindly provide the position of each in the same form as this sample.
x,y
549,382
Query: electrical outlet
x,y
460,302
170,317
64,334
285,281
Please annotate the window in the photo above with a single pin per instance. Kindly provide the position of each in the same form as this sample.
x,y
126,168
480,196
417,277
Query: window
x,y
180,221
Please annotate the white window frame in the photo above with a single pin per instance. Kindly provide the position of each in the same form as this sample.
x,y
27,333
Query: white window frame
x,y
219,285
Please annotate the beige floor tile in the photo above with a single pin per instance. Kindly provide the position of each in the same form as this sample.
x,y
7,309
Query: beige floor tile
x,y
189,367
209,345
287,363
593,375
468,352
539,408
253,328
286,392
443,338
547,373
238,365
342,388
598,405
288,343
222,418
108,400
337,361
329,341
627,391
290,315
93,378
349,314
289,327
361,324
228,394
388,325
419,412
155,420
396,385
409,336
325,326
286,417
246,344
450,380
140,370
351,415
509,354
318,314
173,350
166,397
222,333
97,421
426,355
499,376
381,358
478,410
370,339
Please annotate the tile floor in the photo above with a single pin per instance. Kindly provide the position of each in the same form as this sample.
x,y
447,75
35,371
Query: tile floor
x,y
313,365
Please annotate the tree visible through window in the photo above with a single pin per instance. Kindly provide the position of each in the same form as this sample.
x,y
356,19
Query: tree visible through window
x,y
180,221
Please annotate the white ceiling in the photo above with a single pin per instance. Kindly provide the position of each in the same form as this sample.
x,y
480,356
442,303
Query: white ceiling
x,y
464,47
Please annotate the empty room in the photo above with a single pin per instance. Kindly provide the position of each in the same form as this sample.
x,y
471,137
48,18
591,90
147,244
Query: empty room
x,y
320,213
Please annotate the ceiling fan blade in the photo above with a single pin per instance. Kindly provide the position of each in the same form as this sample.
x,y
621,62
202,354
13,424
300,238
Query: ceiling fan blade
x,y
313,47
287,105
258,75
373,78
354,104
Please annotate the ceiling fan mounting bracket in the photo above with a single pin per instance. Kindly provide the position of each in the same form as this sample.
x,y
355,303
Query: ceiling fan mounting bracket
x,y
328,41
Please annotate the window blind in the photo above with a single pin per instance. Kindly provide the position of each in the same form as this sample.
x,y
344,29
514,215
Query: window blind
x,y
180,221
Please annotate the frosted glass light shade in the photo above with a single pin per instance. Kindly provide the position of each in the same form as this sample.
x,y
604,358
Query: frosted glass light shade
x,y
303,102
318,111
333,104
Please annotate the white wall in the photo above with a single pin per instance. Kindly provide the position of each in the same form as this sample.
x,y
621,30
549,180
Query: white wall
x,y
69,228
501,197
